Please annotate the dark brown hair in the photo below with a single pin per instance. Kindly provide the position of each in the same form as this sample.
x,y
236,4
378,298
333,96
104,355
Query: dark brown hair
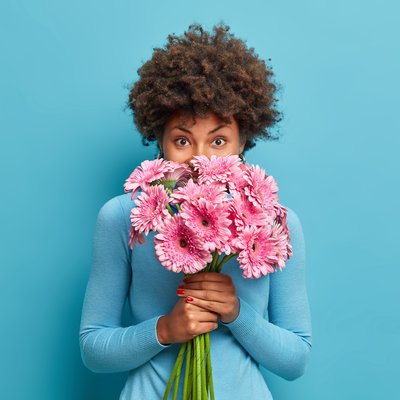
x,y
202,72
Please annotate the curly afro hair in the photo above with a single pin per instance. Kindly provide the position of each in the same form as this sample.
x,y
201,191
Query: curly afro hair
x,y
201,73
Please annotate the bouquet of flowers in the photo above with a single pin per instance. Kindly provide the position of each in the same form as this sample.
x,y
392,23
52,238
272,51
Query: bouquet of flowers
x,y
204,215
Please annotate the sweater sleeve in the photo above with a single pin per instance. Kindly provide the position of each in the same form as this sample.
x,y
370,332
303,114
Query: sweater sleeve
x,y
105,345
280,342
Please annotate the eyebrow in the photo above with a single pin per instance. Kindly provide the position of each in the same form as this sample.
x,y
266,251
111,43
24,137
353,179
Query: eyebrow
x,y
188,131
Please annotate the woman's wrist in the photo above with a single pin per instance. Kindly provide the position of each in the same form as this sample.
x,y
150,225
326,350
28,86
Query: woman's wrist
x,y
162,330
235,313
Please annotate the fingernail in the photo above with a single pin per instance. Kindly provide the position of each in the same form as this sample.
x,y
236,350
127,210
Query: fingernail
x,y
180,291
189,298
181,287
185,280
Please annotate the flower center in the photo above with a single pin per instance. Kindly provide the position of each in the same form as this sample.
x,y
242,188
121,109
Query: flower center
x,y
183,243
253,246
204,222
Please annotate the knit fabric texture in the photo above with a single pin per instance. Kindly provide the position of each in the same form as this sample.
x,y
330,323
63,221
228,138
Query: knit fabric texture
x,y
273,328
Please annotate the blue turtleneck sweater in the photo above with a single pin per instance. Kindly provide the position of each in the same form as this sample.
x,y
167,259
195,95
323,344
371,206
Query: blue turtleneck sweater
x,y
273,328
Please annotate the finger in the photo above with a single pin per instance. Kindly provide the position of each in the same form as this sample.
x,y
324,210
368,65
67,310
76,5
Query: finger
x,y
210,326
206,315
207,295
214,307
205,285
206,276
204,327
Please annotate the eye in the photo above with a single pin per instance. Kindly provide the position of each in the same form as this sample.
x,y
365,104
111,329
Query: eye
x,y
181,141
219,141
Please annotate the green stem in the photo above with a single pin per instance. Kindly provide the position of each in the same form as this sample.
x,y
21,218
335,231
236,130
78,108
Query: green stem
x,y
198,368
190,383
224,260
173,374
194,379
187,370
214,261
203,367
178,372
209,369
170,209
206,367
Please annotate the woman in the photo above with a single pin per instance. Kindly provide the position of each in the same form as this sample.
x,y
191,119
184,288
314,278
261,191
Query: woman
x,y
202,94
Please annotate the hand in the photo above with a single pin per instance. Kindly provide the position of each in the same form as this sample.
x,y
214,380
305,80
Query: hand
x,y
213,292
184,322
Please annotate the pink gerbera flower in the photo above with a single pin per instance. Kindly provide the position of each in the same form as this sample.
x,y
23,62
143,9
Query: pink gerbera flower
x,y
237,182
262,188
281,218
281,236
262,250
150,210
216,169
209,221
147,172
135,237
192,191
229,247
247,213
177,175
178,247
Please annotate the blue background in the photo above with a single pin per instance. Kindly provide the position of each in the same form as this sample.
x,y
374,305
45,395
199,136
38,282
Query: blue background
x,y
67,145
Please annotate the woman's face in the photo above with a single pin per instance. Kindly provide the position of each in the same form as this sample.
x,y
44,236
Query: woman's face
x,y
182,140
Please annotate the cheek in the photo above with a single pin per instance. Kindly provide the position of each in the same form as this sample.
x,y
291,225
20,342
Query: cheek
x,y
166,147
172,154
236,142
167,151
235,146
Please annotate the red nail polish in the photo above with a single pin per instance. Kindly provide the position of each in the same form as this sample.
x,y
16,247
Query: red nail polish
x,y
185,280
189,298
180,287
180,291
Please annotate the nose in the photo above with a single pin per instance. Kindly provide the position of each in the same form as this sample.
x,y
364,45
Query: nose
x,y
198,150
